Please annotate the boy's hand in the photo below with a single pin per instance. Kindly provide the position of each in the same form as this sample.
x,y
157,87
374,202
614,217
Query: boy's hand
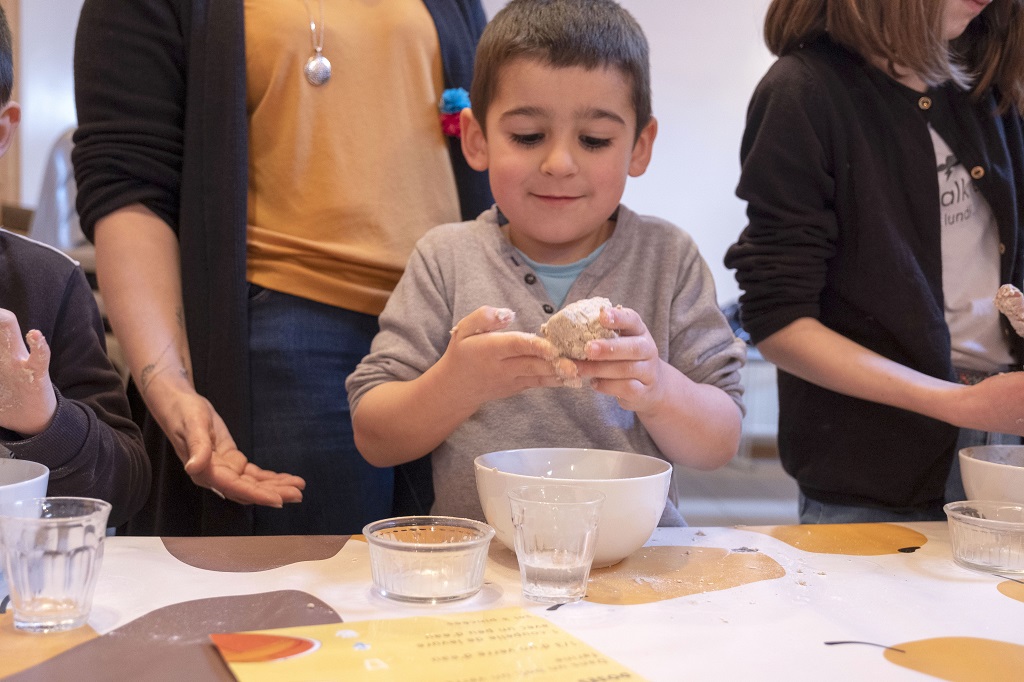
x,y
628,367
484,363
27,400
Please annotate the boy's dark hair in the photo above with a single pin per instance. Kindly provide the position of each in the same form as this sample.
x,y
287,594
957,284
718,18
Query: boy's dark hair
x,y
563,33
6,59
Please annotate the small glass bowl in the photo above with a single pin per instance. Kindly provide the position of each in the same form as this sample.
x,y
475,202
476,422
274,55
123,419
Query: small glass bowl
x,y
428,559
987,535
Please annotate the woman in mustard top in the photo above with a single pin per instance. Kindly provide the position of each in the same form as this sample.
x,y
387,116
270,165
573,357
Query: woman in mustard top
x,y
254,175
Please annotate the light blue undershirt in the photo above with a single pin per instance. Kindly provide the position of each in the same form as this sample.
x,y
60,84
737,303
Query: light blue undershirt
x,y
558,279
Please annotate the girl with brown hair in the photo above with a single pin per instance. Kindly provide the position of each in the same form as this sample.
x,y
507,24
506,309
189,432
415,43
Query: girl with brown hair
x,y
883,166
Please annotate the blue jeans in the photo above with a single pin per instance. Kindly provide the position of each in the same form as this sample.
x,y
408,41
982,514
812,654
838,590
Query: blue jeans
x,y
301,352
813,511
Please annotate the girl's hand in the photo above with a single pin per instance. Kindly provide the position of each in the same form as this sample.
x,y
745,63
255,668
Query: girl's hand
x,y
628,367
27,399
995,404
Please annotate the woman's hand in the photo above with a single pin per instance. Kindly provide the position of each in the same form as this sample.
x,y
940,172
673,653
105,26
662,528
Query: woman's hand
x,y
27,399
137,261
203,443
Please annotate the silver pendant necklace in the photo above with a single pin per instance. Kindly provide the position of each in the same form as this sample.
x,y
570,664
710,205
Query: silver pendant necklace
x,y
318,67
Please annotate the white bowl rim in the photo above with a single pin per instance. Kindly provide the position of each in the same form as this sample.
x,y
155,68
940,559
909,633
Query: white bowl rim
x,y
478,462
967,454
36,469
486,533
954,514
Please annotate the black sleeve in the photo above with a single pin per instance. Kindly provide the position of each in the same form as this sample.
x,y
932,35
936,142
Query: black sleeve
x,y
130,94
459,24
92,447
781,258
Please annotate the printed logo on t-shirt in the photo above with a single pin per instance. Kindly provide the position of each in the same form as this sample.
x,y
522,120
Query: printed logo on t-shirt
x,y
956,192
948,166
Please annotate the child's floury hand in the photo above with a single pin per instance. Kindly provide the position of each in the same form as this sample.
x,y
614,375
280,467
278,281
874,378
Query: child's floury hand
x,y
484,363
27,400
628,367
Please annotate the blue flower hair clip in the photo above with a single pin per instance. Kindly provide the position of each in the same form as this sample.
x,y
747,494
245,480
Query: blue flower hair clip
x,y
453,101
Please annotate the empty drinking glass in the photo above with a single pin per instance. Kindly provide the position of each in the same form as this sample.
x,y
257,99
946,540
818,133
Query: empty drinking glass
x,y
52,551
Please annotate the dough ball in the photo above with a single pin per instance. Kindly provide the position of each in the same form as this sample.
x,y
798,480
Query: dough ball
x,y
1010,302
571,327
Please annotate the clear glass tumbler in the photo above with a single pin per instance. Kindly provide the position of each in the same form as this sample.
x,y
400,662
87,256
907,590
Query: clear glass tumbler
x,y
52,551
555,537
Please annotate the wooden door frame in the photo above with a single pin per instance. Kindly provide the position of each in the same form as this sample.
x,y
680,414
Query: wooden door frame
x,y
10,175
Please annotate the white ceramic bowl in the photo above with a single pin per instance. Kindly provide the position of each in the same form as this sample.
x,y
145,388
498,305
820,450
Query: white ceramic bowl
x,y
428,559
993,472
21,479
635,488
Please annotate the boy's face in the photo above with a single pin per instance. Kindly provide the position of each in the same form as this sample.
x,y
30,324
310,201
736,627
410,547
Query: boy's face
x,y
559,146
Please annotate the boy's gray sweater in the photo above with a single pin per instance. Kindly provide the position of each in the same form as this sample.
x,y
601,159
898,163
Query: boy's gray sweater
x,y
648,265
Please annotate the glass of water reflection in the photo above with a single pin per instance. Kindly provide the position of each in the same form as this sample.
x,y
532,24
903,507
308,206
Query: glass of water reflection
x,y
555,538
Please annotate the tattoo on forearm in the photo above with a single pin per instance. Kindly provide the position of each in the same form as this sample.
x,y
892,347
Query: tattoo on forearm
x,y
150,371
145,376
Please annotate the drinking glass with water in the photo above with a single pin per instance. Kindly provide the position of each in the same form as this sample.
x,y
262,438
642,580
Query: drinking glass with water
x,y
555,538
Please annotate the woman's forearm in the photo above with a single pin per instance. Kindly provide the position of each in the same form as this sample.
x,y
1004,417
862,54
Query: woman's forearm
x,y
137,265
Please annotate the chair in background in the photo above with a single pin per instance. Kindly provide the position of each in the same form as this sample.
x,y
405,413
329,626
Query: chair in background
x,y
55,222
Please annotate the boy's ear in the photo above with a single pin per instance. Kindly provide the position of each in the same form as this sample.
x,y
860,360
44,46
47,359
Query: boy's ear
x,y
10,117
474,143
642,149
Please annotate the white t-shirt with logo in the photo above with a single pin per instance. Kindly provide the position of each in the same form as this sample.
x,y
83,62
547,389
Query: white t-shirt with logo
x,y
970,267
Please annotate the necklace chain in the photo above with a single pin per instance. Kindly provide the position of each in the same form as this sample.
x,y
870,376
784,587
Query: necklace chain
x,y
316,38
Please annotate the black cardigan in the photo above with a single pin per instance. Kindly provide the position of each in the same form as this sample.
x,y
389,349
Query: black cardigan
x,y
839,172
160,91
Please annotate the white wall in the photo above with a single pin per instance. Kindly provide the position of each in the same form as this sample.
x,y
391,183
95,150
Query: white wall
x,y
706,58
